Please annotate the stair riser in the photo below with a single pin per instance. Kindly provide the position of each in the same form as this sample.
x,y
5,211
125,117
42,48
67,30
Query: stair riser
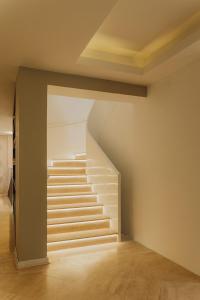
x,y
52,181
105,188
75,212
69,164
79,205
98,171
68,190
78,227
80,243
72,201
102,179
66,172
77,219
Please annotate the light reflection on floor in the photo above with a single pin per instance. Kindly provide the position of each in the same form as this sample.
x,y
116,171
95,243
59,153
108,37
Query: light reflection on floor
x,y
108,272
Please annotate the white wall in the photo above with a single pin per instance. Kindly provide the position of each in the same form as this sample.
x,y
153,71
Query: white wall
x,y
106,182
166,132
110,123
156,146
66,122
63,141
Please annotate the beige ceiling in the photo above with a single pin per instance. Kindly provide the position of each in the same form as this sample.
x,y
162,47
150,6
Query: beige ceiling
x,y
135,41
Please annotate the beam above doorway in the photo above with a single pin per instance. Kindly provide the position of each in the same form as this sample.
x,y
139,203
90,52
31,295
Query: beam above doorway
x,y
88,83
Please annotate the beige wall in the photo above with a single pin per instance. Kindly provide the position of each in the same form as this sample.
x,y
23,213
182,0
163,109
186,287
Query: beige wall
x,y
156,145
6,107
31,167
5,163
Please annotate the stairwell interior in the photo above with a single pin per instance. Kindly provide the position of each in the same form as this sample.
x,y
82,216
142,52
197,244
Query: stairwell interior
x,y
83,191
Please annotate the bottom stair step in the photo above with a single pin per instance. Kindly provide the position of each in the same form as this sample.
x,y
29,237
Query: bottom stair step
x,y
78,226
89,241
78,235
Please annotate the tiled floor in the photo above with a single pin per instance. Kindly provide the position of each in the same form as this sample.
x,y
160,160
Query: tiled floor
x,y
112,272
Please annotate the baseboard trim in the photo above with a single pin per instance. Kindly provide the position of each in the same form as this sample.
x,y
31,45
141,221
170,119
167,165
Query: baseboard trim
x,y
30,263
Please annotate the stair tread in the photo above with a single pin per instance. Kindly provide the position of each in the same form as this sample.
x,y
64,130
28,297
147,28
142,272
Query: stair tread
x,y
52,221
72,185
78,222
88,195
57,184
67,176
69,159
73,205
73,208
68,192
71,194
79,235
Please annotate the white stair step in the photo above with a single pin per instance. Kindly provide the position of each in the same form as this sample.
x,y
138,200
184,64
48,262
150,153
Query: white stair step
x,y
103,188
69,163
78,226
66,171
69,189
81,156
88,198
90,241
72,194
98,171
78,235
60,180
76,219
73,205
73,212
102,179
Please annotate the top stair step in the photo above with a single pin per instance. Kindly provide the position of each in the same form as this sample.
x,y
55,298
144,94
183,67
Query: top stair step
x,y
81,156
69,163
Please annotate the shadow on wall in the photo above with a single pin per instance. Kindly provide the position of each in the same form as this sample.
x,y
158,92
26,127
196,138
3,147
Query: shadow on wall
x,y
66,126
111,125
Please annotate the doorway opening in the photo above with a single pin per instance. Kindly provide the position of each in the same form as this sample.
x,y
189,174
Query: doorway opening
x,y
84,186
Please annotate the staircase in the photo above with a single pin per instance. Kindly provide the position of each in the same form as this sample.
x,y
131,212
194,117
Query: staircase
x,y
75,214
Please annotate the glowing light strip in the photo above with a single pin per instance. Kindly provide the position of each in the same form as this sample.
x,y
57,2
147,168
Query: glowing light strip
x,y
67,176
72,196
75,208
105,220
69,160
66,168
70,186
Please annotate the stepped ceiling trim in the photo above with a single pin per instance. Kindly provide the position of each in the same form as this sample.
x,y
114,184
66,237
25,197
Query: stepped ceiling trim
x,y
111,50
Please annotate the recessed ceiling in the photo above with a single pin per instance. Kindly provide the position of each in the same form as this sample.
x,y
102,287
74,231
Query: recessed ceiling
x,y
134,24
138,33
